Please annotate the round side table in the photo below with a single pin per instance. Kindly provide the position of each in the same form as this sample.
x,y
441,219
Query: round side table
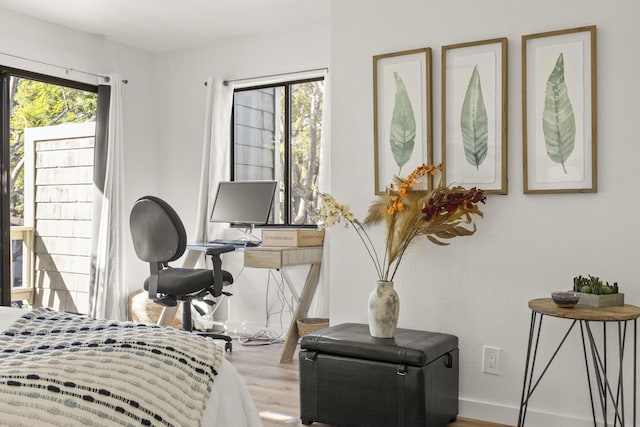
x,y
607,391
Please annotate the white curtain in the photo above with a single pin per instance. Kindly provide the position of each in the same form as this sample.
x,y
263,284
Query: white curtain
x,y
215,168
215,155
108,291
320,305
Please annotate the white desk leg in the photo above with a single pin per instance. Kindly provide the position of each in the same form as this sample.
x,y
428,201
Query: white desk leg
x,y
169,313
289,283
309,289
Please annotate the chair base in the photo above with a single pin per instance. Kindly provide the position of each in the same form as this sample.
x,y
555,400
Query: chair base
x,y
228,346
187,325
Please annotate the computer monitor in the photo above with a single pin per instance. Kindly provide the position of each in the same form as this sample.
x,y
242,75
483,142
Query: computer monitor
x,y
244,202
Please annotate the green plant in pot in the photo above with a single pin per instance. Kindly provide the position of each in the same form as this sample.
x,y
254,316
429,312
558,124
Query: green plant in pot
x,y
593,285
596,293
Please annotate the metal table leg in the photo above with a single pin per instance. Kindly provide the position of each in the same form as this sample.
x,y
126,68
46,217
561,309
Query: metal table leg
x,y
527,390
601,376
529,386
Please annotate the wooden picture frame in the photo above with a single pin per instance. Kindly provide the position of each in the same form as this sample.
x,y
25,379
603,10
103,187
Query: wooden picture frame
x,y
402,115
559,114
474,114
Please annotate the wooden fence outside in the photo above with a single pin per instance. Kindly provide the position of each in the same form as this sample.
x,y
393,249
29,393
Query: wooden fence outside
x,y
58,199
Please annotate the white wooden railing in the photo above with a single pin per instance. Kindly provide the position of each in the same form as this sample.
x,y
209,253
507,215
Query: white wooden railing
x,y
25,289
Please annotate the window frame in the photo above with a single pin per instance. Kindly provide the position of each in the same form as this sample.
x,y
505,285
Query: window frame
x,y
287,144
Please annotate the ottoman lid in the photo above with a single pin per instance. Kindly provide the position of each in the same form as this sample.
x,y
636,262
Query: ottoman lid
x,y
409,347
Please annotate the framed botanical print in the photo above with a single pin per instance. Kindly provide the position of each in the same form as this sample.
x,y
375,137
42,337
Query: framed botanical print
x,y
559,114
401,114
474,114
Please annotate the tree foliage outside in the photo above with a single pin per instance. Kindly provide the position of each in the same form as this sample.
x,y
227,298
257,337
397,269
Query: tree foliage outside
x,y
38,104
306,136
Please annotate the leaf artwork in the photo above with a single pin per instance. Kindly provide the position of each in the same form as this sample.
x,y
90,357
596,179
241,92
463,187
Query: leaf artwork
x,y
403,125
474,123
558,120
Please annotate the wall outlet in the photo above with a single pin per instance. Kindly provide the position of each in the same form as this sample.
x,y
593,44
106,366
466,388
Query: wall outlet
x,y
491,360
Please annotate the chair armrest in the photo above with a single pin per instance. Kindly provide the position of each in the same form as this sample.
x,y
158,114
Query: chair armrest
x,y
216,259
217,250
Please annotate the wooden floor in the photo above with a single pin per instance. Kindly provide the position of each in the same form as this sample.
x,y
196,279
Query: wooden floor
x,y
274,386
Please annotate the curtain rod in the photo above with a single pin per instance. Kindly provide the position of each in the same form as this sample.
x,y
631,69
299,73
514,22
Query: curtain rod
x,y
226,82
66,69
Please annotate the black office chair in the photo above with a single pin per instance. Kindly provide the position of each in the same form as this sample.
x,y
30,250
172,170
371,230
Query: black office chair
x,y
159,237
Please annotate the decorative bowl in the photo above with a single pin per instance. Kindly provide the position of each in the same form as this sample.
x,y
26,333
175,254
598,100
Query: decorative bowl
x,y
565,299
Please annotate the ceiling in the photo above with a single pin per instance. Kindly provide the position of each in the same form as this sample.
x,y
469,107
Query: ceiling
x,y
165,25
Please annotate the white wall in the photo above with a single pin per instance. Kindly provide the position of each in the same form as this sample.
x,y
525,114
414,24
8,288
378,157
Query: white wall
x,y
526,246
181,75
181,101
40,41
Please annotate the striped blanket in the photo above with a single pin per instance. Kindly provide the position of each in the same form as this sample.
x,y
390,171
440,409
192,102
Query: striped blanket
x,y
62,369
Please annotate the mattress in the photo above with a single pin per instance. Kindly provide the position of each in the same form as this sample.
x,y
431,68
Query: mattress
x,y
229,403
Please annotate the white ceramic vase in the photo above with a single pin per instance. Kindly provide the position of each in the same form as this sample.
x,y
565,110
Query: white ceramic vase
x,y
384,307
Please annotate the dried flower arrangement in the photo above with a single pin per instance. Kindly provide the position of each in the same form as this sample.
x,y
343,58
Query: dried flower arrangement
x,y
438,214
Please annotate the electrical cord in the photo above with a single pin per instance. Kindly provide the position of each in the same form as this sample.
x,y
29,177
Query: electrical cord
x,y
267,336
262,337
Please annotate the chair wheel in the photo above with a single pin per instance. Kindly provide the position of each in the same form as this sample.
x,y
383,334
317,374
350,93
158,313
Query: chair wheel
x,y
228,346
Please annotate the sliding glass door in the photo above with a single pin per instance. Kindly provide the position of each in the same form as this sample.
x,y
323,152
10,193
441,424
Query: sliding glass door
x,y
47,157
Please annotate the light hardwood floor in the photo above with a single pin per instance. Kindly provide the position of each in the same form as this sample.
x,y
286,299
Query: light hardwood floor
x,y
274,386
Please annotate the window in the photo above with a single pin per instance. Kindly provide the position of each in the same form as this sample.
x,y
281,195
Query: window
x,y
276,135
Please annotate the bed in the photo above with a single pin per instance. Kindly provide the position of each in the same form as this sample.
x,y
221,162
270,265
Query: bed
x,y
63,369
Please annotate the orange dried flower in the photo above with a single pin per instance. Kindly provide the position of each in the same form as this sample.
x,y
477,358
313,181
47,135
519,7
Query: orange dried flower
x,y
439,214
395,197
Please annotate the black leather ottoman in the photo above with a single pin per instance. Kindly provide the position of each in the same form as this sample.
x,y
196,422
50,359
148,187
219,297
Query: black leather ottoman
x,y
350,379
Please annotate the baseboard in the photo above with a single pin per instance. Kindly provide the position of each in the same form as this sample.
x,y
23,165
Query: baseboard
x,y
508,415
485,411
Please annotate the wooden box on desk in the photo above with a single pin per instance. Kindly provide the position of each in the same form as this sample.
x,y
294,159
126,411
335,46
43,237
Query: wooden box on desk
x,y
292,237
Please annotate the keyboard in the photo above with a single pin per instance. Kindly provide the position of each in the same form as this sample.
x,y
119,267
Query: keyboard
x,y
236,243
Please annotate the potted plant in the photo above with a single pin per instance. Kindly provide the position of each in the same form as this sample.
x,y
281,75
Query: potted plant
x,y
596,293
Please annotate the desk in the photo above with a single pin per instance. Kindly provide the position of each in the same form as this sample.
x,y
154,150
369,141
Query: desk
x,y
584,315
276,258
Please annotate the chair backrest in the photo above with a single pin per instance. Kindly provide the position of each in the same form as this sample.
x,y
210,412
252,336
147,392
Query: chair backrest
x,y
157,231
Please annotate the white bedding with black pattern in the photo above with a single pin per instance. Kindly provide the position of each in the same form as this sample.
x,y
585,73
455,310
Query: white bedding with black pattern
x,y
61,369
